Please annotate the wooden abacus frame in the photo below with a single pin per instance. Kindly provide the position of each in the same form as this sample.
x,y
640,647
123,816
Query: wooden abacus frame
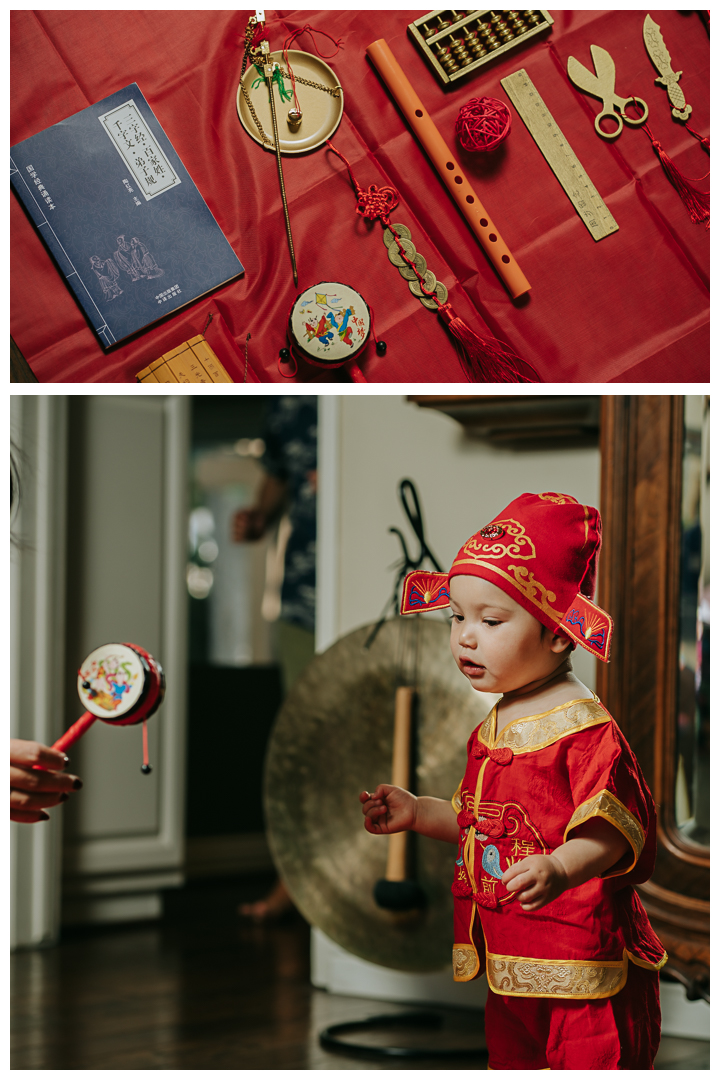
x,y
426,44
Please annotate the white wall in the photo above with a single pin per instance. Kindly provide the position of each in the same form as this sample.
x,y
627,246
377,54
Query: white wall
x,y
369,444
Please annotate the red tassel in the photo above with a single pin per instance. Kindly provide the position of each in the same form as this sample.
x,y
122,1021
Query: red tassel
x,y
703,140
485,360
697,202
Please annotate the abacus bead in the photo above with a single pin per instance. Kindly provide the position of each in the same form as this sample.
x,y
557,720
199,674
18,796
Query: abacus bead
x,y
285,355
381,348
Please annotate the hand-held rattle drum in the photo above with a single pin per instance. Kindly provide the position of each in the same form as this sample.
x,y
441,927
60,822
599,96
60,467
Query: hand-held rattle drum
x,y
121,684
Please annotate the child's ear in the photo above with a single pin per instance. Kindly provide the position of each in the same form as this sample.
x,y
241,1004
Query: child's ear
x,y
560,643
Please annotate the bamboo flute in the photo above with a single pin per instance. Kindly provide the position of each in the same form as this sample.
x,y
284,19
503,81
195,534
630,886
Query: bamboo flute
x,y
447,167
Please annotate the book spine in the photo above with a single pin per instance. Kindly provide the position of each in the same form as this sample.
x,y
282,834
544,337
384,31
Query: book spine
x,y
28,196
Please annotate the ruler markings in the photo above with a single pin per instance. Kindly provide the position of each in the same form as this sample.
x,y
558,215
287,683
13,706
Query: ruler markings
x,y
559,155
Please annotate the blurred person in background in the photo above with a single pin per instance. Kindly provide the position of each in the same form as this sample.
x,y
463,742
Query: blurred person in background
x,y
289,488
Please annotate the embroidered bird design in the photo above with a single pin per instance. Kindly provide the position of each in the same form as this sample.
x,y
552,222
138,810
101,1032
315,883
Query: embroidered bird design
x,y
491,861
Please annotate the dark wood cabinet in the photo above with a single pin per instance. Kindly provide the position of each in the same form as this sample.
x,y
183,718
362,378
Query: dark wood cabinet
x,y
642,440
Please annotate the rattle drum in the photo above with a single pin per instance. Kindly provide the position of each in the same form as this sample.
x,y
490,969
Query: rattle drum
x,y
119,683
329,325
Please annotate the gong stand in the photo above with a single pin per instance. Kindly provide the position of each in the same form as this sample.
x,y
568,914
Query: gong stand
x,y
398,892
406,490
330,1038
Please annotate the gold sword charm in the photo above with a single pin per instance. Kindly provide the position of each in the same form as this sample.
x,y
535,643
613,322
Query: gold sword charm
x,y
657,50
268,69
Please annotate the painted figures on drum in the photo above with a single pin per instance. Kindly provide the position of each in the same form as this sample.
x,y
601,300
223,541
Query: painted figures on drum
x,y
328,321
110,680
553,819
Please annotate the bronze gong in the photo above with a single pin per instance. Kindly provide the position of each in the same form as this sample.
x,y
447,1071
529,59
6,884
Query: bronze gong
x,y
332,739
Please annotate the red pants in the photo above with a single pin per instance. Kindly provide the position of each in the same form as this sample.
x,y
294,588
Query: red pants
x,y
620,1032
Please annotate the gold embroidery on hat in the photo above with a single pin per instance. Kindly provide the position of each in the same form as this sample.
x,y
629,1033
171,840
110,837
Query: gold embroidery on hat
x,y
534,590
557,498
524,581
521,976
516,545
608,806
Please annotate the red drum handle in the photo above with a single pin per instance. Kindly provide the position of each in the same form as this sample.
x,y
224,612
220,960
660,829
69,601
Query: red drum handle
x,y
73,733
355,373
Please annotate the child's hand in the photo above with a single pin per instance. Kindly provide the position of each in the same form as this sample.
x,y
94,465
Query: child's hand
x,y
388,809
537,879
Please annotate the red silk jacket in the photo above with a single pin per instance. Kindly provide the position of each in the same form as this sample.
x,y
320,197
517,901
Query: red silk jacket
x,y
523,793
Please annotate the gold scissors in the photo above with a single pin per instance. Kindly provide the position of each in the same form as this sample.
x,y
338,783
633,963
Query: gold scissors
x,y
602,85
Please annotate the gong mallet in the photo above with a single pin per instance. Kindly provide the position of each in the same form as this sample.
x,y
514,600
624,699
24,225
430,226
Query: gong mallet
x,y
396,891
121,684
268,69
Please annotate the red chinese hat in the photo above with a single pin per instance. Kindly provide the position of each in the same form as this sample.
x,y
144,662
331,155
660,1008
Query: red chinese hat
x,y
542,550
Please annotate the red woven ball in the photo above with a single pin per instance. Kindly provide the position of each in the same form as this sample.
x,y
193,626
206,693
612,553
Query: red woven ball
x,y
483,123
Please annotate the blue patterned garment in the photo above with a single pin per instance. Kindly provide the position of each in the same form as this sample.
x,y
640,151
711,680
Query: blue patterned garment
x,y
291,455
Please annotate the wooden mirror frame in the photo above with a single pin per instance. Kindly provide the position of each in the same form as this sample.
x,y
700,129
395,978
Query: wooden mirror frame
x,y
641,443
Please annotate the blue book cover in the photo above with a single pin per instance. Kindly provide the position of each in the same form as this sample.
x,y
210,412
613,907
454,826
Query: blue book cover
x,y
129,230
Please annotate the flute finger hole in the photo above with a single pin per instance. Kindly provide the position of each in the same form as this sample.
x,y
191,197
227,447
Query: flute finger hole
x,y
418,112
469,198
458,179
506,258
484,222
449,166
492,237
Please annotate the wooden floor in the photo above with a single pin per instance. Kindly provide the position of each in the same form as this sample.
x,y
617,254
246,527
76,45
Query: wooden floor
x,y
204,990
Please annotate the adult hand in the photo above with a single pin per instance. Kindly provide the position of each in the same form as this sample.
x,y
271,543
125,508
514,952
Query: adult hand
x,y
33,788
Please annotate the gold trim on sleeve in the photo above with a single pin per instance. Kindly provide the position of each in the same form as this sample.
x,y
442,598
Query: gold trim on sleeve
x,y
457,798
646,963
524,976
466,963
608,806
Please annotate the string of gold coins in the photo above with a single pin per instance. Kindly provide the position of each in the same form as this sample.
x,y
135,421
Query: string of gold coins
x,y
475,40
412,266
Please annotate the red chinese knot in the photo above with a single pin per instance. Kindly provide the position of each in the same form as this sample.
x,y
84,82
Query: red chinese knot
x,y
482,124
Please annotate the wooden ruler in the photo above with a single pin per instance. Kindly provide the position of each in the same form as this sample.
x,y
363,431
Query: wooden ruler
x,y
559,155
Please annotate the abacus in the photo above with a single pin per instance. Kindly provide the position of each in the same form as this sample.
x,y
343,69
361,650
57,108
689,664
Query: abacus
x,y
454,43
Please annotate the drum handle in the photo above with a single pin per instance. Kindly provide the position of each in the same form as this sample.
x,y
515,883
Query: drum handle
x,y
396,869
73,733
355,373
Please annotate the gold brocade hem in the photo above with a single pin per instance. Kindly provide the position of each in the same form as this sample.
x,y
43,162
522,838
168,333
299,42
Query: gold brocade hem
x,y
525,976
466,963
608,806
536,732
522,976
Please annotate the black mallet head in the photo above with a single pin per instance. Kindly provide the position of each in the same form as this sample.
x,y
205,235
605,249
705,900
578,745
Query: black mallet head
x,y
399,895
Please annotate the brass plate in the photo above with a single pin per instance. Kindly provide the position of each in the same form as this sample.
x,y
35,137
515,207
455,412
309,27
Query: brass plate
x,y
332,739
321,111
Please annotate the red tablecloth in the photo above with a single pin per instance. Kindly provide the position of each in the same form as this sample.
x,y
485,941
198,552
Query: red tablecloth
x,y
631,307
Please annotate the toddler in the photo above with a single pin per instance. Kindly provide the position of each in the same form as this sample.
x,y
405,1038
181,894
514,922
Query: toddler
x,y
554,820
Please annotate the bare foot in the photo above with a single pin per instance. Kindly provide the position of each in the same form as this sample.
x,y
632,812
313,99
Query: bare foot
x,y
275,905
